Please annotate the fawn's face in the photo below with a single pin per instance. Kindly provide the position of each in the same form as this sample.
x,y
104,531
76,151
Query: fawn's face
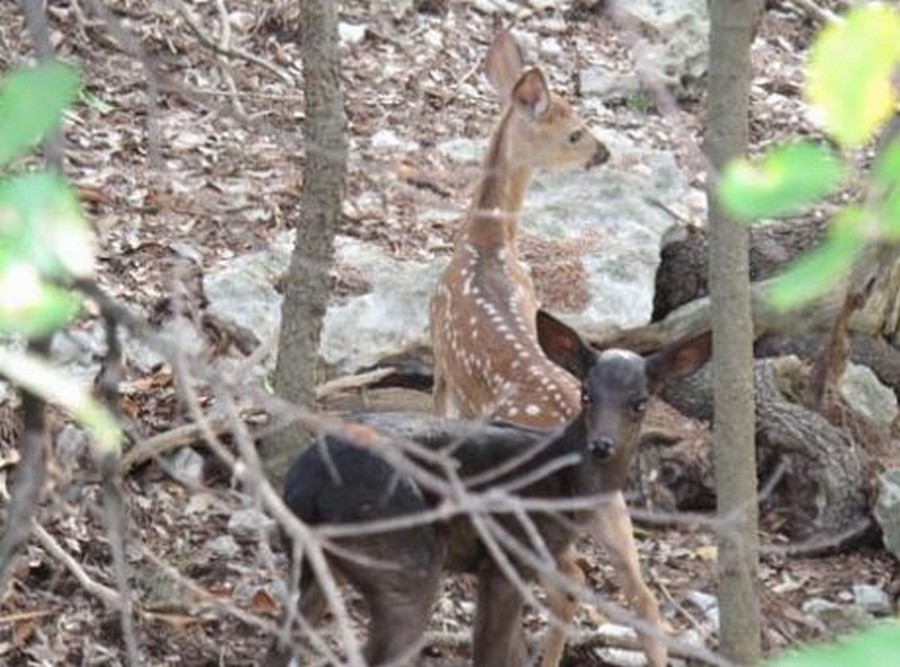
x,y
614,396
616,384
544,131
551,136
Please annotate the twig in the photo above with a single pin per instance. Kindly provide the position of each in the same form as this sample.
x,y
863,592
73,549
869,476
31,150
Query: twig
x,y
680,608
20,616
161,443
357,381
30,475
209,42
820,545
580,639
107,595
225,43
251,473
819,14
108,382
133,47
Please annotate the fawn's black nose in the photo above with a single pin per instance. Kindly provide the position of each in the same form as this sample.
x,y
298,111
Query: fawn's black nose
x,y
603,447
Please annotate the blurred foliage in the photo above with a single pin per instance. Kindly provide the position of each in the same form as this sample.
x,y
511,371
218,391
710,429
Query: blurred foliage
x,y
850,88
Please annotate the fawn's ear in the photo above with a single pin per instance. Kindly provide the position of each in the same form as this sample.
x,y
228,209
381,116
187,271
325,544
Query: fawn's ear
x,y
563,346
531,95
504,64
677,360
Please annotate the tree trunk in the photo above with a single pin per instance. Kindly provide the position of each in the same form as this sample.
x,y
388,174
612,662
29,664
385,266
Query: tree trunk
x,y
306,286
732,28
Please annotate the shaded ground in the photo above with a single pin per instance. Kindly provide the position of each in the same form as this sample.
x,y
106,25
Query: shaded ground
x,y
196,173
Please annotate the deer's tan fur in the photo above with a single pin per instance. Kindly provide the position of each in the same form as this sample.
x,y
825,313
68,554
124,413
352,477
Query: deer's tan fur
x,y
488,361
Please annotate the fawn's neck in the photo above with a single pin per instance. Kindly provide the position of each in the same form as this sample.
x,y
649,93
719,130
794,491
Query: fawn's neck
x,y
494,217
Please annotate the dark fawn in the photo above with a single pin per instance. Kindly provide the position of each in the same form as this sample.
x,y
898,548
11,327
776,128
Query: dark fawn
x,y
398,572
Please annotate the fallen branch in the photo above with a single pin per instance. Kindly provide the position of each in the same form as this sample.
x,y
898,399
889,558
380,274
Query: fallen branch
x,y
693,318
106,595
157,445
223,50
358,381
584,639
820,15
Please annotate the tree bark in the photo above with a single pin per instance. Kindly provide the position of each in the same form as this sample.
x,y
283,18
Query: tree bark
x,y
683,271
732,28
824,482
306,286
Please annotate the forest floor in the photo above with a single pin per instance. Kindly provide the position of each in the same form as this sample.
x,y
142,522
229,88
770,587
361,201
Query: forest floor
x,y
185,156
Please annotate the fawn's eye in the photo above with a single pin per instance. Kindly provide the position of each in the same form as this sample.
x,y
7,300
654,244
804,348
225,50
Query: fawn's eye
x,y
575,137
639,406
586,399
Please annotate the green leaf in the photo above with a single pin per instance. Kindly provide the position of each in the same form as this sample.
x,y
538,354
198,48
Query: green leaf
x,y
887,166
41,222
878,646
813,274
787,179
31,307
31,102
890,220
849,72
41,379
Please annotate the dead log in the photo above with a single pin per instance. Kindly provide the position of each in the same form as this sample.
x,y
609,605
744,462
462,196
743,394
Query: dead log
x,y
823,487
876,275
683,271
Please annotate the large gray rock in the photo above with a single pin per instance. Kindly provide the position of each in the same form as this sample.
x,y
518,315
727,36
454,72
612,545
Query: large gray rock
x,y
887,509
242,289
392,317
609,217
865,393
604,220
835,618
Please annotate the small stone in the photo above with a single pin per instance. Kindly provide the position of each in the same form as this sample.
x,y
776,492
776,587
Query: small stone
x,y
249,523
494,6
872,599
708,604
223,547
462,150
73,446
550,47
834,617
187,466
391,141
434,39
351,34
608,84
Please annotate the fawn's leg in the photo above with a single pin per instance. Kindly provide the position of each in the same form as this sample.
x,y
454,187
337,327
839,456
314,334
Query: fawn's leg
x,y
498,639
312,607
612,528
562,606
399,607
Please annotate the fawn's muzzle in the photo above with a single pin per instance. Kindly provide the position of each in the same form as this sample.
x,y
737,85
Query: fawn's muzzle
x,y
600,156
603,447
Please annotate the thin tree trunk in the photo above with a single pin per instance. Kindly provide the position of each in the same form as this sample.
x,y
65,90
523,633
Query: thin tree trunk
x,y
732,27
306,287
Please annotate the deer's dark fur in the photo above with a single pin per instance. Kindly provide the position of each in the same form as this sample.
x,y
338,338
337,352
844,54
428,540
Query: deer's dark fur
x,y
336,482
